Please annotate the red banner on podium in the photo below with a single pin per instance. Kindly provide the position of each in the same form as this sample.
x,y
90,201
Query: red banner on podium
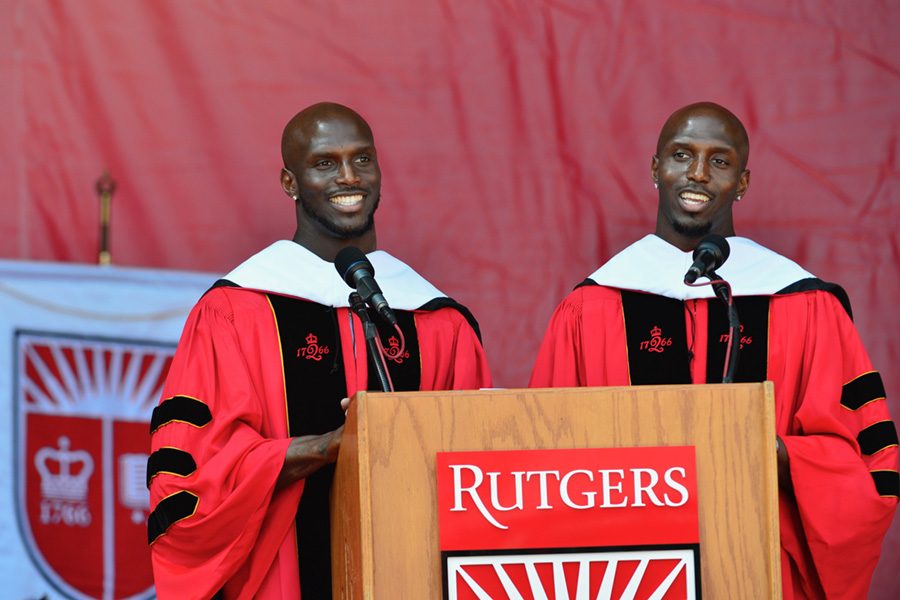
x,y
597,523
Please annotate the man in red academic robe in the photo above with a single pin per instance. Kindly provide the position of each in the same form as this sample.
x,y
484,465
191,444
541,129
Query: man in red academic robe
x,y
250,422
634,322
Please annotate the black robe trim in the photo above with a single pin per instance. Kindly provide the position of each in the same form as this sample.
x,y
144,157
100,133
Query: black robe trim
x,y
315,382
405,369
656,337
222,283
170,460
170,510
180,409
877,437
451,303
887,483
862,390
753,313
814,283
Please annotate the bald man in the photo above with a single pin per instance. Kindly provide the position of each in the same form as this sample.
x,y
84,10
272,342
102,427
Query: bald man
x,y
635,322
249,425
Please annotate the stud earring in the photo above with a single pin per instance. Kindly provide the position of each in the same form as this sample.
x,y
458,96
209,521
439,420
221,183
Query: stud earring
x,y
655,185
295,197
737,198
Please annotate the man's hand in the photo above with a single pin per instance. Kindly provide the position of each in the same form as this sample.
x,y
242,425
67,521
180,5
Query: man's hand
x,y
307,454
784,465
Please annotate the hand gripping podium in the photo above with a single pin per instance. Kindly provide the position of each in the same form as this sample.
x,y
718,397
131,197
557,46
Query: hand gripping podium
x,y
385,530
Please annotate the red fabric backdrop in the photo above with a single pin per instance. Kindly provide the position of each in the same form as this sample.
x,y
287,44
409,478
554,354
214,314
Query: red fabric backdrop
x,y
515,137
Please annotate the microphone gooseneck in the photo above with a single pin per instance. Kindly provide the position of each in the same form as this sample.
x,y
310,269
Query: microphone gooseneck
x,y
709,255
370,333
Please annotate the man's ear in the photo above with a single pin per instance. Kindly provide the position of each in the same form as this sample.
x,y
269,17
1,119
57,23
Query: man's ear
x,y
289,183
743,183
654,170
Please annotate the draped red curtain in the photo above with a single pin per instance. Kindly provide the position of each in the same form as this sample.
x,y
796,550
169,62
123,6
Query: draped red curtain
x,y
515,137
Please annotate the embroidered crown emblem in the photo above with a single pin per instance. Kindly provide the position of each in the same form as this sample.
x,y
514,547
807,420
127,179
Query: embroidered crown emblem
x,y
392,352
656,343
64,473
312,350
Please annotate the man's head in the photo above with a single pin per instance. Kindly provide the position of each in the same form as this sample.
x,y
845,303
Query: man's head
x,y
331,170
700,169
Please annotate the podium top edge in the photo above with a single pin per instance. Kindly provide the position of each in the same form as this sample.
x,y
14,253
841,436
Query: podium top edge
x,y
766,386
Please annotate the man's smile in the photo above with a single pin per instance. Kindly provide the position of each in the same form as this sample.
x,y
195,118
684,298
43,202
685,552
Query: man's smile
x,y
694,201
346,201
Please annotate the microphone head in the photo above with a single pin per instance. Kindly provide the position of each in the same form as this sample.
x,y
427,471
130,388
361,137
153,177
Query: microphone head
x,y
716,246
348,261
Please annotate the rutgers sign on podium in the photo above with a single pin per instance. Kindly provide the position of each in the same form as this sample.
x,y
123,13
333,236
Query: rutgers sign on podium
x,y
562,494
576,524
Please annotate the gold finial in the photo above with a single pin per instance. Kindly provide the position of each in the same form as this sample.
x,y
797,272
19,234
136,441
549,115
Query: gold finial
x,y
106,187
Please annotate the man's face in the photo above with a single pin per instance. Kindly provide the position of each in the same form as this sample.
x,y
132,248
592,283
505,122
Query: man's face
x,y
338,178
699,168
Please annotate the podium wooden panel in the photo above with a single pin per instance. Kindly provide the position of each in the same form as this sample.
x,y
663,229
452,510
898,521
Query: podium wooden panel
x,y
384,501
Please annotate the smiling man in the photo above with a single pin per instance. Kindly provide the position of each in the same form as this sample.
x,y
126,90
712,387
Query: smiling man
x,y
331,171
700,170
250,421
634,322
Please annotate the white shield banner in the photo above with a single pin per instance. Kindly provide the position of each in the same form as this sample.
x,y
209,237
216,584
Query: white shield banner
x,y
83,353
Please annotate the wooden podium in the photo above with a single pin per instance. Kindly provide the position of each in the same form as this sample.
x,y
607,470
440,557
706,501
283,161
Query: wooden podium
x,y
384,501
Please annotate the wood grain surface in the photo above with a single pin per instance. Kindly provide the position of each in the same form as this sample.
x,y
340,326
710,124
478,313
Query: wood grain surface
x,y
384,523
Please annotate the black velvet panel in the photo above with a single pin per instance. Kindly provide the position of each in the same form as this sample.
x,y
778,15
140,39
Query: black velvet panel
x,y
169,511
887,483
656,338
170,460
405,369
180,409
753,312
862,390
314,384
877,437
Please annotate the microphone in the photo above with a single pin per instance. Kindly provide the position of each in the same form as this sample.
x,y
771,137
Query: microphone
x,y
355,269
709,255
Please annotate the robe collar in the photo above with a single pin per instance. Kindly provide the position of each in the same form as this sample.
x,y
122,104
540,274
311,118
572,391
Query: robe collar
x,y
653,265
289,269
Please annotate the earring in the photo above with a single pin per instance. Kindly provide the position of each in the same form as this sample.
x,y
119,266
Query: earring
x,y
656,185
738,198
295,197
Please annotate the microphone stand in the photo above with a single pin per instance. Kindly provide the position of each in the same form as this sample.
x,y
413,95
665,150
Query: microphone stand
x,y
723,292
371,335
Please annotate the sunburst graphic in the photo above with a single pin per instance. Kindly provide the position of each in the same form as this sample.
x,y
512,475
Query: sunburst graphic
x,y
640,575
87,401
91,377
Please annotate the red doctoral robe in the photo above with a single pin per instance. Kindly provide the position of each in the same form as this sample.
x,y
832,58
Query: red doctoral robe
x,y
634,322
220,434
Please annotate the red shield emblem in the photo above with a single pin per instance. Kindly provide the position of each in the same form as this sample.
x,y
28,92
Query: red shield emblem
x,y
83,406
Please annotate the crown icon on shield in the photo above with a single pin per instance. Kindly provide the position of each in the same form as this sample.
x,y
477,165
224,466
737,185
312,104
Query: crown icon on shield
x,y
312,339
64,473
655,332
